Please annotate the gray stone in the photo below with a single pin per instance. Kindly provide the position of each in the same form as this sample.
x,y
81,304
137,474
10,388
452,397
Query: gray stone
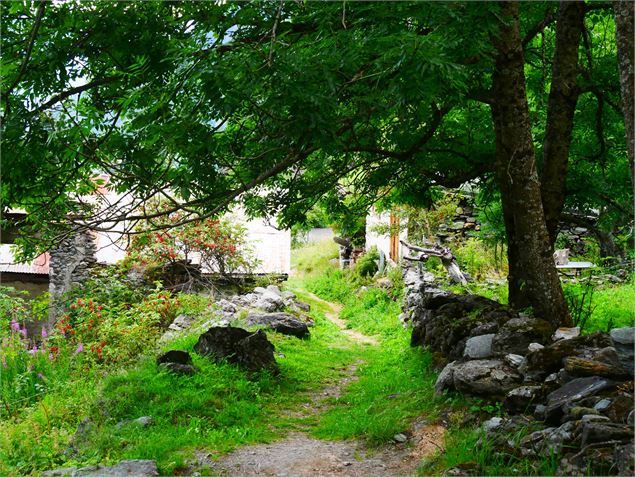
x,y
549,440
479,346
274,289
625,336
125,468
594,417
514,360
288,295
300,305
516,335
522,398
226,306
566,333
485,377
238,346
573,391
597,431
260,290
534,347
624,457
181,323
602,405
445,379
284,323
144,421
492,424
400,438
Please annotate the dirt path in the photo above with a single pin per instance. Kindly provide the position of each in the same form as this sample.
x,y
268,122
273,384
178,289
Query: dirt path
x,y
333,317
299,455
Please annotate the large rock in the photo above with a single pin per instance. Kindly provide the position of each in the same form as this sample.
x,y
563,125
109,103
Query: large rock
x,y
125,468
485,377
478,347
284,323
571,392
445,380
445,321
600,431
548,441
547,360
516,335
624,338
177,361
238,346
576,366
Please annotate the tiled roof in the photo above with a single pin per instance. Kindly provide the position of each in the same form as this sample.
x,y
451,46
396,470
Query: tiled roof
x,y
39,266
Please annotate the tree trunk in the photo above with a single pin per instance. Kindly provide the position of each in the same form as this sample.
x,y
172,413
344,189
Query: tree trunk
x,y
624,32
520,186
563,97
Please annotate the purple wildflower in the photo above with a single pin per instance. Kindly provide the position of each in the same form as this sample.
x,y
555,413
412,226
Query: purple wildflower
x,y
33,350
44,333
15,326
40,375
23,332
80,348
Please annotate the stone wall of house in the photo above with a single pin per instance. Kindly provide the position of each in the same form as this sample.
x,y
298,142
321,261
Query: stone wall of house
x,y
70,265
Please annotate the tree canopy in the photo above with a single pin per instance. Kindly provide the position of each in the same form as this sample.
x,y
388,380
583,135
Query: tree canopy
x,y
279,104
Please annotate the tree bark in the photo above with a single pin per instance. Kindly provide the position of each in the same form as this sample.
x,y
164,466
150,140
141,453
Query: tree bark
x,y
518,176
563,97
624,32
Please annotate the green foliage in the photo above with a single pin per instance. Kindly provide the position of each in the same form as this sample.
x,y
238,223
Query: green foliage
x,y
478,259
220,245
313,259
423,223
602,307
366,265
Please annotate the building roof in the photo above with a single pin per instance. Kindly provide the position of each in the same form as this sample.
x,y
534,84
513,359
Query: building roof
x,y
39,266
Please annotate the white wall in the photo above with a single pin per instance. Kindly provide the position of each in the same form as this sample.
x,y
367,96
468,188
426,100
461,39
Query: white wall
x,y
382,240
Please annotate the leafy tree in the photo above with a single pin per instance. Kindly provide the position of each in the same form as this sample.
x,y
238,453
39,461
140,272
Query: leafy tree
x,y
277,104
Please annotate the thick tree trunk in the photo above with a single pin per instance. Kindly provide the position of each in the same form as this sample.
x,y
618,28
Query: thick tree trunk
x,y
624,34
563,97
516,169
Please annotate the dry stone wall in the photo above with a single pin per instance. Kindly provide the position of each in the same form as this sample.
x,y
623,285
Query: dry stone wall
x,y
70,265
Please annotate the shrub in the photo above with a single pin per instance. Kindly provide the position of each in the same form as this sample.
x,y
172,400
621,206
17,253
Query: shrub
x,y
219,245
366,266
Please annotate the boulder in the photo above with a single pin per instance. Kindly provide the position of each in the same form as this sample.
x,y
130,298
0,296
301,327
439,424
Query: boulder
x,y
444,321
238,346
516,335
478,347
445,379
576,366
623,339
485,377
284,323
571,392
601,431
620,407
547,360
177,361
514,360
269,302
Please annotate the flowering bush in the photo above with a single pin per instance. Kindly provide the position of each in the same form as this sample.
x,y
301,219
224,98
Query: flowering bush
x,y
220,246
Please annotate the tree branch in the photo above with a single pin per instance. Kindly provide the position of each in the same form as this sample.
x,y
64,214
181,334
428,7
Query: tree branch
x,y
78,89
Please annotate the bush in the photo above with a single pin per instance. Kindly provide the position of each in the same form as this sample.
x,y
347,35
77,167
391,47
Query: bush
x,y
366,265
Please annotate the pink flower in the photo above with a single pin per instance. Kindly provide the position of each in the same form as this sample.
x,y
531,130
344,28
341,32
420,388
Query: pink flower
x,y
34,350
15,326
80,348
44,333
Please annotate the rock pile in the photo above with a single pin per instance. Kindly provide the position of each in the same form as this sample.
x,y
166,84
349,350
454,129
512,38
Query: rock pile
x,y
573,393
276,310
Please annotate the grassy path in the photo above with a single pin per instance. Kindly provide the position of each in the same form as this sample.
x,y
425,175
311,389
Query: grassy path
x,y
299,453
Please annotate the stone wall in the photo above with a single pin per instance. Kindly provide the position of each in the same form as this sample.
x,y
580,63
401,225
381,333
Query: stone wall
x,y
70,265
